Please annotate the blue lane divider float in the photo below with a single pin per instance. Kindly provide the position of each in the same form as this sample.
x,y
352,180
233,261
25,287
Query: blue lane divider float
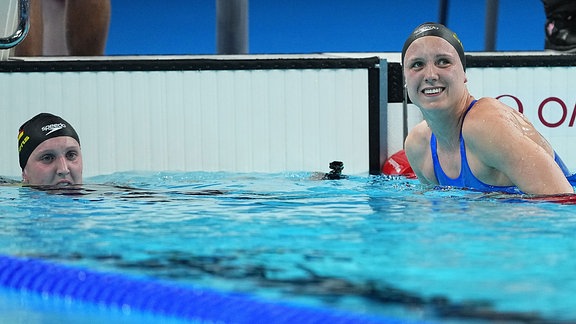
x,y
160,297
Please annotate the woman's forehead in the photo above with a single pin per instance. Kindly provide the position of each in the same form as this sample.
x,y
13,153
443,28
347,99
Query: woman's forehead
x,y
430,45
57,143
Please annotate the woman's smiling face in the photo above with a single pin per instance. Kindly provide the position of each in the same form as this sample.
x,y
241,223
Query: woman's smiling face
x,y
434,73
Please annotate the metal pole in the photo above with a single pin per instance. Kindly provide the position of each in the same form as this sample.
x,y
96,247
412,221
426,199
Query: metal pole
x,y
491,25
443,12
22,28
232,26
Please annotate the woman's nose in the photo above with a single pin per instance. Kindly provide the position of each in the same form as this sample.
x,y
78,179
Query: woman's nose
x,y
431,74
62,167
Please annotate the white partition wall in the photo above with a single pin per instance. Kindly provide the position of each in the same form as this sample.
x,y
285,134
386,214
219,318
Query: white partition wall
x,y
260,113
193,115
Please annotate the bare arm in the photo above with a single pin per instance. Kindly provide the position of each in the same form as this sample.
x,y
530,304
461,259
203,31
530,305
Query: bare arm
x,y
417,151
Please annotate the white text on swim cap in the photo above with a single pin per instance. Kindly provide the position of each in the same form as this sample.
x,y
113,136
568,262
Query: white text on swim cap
x,y
53,127
425,29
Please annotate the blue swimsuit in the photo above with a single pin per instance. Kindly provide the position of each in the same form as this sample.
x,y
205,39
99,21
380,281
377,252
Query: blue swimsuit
x,y
466,179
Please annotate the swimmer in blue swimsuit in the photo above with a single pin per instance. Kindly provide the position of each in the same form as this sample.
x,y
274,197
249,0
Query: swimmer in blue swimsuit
x,y
489,148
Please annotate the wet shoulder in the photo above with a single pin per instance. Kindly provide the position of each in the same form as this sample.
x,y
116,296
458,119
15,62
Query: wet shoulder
x,y
489,105
488,113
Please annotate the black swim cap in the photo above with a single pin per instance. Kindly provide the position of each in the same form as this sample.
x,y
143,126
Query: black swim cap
x,y
38,129
438,30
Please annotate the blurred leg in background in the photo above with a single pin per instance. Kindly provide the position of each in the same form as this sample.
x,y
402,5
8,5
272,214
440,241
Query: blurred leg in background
x,y
54,27
87,23
67,27
32,44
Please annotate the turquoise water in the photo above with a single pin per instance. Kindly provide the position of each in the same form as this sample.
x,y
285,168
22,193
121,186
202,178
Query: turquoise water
x,y
368,245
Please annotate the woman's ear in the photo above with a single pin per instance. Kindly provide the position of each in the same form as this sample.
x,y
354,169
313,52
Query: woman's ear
x,y
24,177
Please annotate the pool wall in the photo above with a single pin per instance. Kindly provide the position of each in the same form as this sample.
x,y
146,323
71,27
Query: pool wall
x,y
261,113
237,114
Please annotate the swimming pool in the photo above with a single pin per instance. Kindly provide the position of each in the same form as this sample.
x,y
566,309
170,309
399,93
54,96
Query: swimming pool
x,y
369,246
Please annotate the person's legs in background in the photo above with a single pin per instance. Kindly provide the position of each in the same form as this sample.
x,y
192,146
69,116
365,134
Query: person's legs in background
x,y
66,27
54,27
87,23
32,44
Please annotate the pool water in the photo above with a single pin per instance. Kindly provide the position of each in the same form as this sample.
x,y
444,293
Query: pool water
x,y
370,245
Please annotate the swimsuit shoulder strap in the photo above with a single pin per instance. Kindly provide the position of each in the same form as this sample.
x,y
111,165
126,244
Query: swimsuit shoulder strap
x,y
441,177
463,158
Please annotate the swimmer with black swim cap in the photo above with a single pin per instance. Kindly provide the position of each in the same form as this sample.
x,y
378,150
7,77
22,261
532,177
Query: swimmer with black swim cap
x,y
463,142
438,30
49,151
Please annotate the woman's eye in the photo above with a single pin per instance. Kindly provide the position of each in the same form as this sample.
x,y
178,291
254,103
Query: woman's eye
x,y
417,65
47,158
72,155
443,62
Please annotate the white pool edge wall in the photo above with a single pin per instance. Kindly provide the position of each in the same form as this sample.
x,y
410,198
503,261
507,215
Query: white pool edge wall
x,y
257,114
260,113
